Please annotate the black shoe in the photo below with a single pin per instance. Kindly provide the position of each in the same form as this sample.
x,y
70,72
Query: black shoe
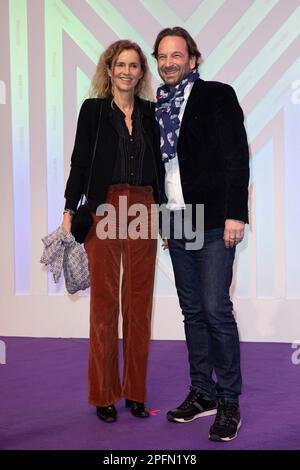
x,y
137,409
227,422
194,406
107,413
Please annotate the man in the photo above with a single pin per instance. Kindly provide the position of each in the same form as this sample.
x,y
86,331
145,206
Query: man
x,y
205,152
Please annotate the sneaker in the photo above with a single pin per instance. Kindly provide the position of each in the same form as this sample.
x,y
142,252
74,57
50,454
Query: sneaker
x,y
194,406
227,422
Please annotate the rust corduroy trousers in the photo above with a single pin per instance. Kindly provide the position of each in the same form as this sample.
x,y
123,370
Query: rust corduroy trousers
x,y
138,261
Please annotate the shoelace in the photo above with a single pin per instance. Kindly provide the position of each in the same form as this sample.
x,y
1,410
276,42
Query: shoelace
x,y
192,396
225,413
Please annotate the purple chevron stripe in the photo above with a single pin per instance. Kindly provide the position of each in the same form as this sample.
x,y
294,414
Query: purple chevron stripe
x,y
139,18
93,22
257,39
222,21
183,9
271,77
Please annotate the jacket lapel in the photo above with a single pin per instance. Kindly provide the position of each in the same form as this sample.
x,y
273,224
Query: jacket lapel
x,y
192,105
108,138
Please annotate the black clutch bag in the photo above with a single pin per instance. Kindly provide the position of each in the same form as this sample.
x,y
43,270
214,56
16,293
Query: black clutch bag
x,y
82,220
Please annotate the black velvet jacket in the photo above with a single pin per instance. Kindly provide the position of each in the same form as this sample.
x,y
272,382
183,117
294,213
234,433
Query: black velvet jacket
x,y
106,153
213,153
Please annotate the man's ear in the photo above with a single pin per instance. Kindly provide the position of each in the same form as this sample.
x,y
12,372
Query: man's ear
x,y
192,62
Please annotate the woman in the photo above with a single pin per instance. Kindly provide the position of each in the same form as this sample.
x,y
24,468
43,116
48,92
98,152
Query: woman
x,y
128,164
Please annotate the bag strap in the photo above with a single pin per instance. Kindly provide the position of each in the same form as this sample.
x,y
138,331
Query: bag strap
x,y
94,153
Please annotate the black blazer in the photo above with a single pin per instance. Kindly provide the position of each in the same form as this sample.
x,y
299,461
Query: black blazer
x,y
106,152
213,153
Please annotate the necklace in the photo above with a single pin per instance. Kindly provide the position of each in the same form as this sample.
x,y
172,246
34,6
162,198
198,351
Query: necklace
x,y
127,111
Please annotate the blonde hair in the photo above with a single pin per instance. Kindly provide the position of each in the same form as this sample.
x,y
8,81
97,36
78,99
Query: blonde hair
x,y
101,86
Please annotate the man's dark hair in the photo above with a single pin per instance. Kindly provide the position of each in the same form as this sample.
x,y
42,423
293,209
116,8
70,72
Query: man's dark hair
x,y
181,32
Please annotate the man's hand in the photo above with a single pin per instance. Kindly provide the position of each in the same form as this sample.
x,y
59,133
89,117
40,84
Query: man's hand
x,y
233,233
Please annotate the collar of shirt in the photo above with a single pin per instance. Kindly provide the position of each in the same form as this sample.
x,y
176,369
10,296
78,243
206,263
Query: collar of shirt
x,y
187,92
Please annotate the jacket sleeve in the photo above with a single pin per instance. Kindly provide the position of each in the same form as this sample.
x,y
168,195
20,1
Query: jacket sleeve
x,y
233,142
80,158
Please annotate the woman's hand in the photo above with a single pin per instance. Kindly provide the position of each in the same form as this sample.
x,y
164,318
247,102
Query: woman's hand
x,y
165,244
67,222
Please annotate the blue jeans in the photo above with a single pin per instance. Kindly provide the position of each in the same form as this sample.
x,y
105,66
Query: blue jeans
x,y
203,279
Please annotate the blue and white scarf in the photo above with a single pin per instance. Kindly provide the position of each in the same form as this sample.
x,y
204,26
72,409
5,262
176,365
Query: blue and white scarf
x,y
167,111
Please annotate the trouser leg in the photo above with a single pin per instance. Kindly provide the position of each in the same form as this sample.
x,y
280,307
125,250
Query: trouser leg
x,y
139,257
104,258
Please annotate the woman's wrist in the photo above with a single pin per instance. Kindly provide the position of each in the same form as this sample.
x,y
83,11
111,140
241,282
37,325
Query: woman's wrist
x,y
69,211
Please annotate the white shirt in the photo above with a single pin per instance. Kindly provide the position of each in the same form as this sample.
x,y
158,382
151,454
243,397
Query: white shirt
x,y
173,187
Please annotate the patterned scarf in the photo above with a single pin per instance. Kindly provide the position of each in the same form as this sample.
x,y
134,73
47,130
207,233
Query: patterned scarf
x,y
167,111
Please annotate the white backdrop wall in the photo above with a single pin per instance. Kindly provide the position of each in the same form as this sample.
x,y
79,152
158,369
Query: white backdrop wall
x,y
49,49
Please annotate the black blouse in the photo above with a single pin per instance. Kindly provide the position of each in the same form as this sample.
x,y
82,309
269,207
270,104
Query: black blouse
x,y
135,161
107,151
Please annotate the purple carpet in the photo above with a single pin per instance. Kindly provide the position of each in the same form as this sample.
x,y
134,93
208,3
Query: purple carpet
x,y
43,404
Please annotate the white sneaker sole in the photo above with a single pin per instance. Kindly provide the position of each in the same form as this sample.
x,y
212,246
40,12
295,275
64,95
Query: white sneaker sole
x,y
226,439
188,420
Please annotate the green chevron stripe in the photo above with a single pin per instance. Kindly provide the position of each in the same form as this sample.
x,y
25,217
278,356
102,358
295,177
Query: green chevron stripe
x,y
163,14
112,17
235,37
204,12
268,55
61,17
271,102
